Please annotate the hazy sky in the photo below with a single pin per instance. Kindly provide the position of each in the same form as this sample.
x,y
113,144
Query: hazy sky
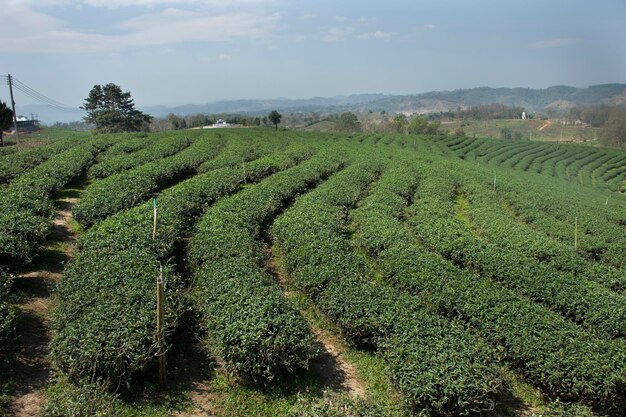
x,y
195,51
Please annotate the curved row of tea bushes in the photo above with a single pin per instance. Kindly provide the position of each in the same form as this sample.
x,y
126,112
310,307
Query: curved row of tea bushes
x,y
25,210
437,365
127,144
160,147
250,325
566,161
601,237
549,267
510,260
511,151
557,355
241,148
588,172
553,352
103,325
126,189
15,164
547,161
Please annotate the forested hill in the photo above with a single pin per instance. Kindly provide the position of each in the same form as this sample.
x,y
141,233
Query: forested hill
x,y
532,100
557,97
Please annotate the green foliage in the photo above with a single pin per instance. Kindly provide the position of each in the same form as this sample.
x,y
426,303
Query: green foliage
x,y
6,118
417,345
104,322
348,122
614,133
589,166
249,322
7,314
14,165
65,399
337,405
274,117
25,211
111,110
400,122
156,150
505,133
125,189
419,125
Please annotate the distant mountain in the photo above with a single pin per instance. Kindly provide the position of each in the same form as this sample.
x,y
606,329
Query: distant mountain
x,y
557,97
265,106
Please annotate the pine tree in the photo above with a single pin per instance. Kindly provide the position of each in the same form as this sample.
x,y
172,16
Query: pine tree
x,y
112,110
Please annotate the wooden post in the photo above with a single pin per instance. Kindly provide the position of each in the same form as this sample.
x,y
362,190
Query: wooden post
x,y
576,235
154,216
160,301
160,327
606,203
17,133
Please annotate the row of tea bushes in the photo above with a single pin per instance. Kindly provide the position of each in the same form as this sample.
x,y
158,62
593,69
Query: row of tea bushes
x,y
25,208
126,189
437,365
250,325
160,147
103,325
15,164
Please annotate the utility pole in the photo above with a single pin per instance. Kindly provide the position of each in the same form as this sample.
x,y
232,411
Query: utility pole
x,y
17,135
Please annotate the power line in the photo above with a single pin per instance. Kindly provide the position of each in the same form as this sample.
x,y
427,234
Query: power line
x,y
37,96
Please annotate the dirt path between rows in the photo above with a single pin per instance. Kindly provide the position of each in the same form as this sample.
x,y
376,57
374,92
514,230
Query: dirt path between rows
x,y
32,370
332,370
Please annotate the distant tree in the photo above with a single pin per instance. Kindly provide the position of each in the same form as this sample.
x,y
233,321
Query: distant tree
x,y
418,125
348,122
275,117
112,110
399,122
433,127
459,132
505,133
614,133
6,117
177,122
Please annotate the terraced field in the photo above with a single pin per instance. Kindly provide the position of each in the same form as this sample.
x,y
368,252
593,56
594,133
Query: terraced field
x,y
444,276
596,167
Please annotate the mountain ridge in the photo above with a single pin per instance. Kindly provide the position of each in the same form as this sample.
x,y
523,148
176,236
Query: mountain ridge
x,y
559,97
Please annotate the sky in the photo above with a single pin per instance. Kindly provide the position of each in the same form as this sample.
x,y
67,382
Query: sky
x,y
174,52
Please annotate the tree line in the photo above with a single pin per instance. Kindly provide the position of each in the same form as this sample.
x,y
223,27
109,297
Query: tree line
x,y
612,120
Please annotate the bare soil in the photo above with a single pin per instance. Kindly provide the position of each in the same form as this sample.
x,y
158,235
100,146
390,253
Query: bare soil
x,y
332,370
32,370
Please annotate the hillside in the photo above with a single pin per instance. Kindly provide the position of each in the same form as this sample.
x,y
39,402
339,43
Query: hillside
x,y
379,274
557,97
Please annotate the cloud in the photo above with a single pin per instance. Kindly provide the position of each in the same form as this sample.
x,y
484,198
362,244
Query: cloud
x,y
339,19
175,26
337,34
376,35
553,43
39,32
114,4
224,57
429,26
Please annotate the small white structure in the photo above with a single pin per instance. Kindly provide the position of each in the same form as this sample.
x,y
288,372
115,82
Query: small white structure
x,y
218,124
523,115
